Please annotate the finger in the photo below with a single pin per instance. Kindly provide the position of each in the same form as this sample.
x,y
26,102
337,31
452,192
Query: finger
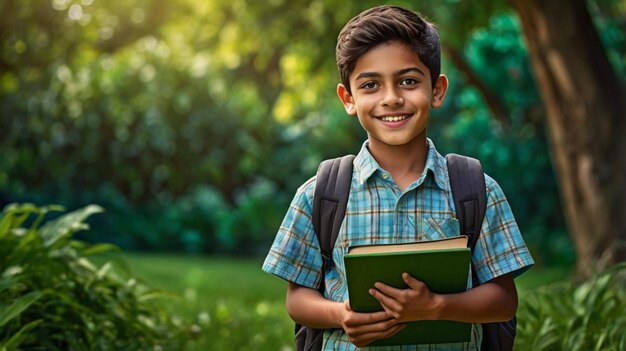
x,y
389,304
368,338
413,283
378,327
357,319
395,330
388,290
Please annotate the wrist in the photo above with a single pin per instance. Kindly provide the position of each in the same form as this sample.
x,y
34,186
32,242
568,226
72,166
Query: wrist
x,y
337,312
440,307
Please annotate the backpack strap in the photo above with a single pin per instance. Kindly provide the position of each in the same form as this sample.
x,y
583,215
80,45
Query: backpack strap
x,y
469,193
470,199
332,188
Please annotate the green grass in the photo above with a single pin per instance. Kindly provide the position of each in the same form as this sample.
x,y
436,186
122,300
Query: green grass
x,y
231,304
239,279
537,277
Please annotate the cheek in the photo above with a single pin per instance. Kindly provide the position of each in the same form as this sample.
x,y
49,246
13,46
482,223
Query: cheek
x,y
422,99
365,102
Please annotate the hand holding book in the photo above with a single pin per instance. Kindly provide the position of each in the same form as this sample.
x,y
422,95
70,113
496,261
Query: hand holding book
x,y
364,328
434,267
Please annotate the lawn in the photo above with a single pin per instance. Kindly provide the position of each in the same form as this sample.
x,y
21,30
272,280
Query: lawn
x,y
231,304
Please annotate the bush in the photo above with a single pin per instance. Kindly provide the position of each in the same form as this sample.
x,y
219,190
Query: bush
x,y
569,316
53,297
199,222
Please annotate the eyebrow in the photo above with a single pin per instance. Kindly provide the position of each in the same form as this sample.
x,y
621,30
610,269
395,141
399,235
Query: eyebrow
x,y
411,69
399,73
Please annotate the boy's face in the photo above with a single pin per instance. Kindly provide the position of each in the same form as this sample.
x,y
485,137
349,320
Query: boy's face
x,y
392,95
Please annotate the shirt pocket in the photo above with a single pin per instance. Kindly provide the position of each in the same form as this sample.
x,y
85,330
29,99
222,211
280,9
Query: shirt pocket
x,y
441,228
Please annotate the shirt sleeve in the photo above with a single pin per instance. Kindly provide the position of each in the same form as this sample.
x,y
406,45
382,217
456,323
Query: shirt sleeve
x,y
295,254
500,248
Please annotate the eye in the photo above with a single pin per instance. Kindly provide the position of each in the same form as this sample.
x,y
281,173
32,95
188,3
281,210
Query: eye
x,y
369,85
408,81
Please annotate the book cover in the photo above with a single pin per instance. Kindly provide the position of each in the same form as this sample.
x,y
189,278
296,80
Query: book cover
x,y
443,265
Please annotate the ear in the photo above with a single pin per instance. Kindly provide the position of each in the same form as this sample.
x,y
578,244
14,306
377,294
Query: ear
x,y
346,99
439,91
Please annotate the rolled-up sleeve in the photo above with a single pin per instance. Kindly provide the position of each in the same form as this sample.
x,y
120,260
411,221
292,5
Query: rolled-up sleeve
x,y
500,248
294,254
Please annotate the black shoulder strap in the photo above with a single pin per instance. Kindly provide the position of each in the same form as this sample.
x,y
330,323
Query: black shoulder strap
x,y
332,188
469,193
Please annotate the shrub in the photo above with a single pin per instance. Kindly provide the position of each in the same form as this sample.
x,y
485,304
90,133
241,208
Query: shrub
x,y
52,297
569,316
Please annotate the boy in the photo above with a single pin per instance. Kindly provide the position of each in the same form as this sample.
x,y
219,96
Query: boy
x,y
389,62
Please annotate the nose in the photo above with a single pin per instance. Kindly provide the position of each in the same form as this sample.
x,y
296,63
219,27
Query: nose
x,y
392,97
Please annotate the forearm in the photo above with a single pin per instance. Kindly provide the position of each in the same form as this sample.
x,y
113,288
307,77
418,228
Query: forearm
x,y
308,307
493,301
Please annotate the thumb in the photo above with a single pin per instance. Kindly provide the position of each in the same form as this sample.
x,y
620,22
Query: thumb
x,y
413,283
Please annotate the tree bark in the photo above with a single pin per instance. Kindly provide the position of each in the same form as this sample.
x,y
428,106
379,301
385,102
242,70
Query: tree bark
x,y
585,115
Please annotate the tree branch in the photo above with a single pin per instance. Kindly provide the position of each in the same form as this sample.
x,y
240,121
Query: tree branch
x,y
495,105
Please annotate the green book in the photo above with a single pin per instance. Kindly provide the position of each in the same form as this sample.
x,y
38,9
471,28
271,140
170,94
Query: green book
x,y
442,264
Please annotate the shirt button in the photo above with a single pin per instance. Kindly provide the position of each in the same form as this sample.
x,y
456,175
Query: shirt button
x,y
385,176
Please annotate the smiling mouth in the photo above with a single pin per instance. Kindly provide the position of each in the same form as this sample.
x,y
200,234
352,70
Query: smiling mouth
x,y
394,118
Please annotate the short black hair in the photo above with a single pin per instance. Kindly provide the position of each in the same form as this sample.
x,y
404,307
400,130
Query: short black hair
x,y
385,24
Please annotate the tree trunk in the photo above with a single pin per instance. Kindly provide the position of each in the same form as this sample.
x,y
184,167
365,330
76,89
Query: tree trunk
x,y
586,116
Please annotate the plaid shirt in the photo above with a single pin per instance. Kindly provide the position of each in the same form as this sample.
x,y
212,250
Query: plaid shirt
x,y
379,212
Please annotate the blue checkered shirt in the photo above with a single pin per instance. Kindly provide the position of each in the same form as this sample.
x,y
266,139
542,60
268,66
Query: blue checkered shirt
x,y
379,212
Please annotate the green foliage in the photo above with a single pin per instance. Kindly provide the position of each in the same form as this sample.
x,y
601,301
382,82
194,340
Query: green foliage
x,y
194,123
200,222
53,297
569,316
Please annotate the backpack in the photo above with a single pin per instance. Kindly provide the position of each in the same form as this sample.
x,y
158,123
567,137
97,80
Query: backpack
x,y
330,200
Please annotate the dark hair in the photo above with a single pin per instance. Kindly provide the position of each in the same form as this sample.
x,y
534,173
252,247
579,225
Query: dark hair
x,y
385,24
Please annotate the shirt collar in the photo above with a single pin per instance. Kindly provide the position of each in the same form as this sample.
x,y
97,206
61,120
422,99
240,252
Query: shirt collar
x,y
365,165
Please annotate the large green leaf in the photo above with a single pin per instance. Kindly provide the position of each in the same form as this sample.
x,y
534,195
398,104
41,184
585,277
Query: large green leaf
x,y
68,224
18,306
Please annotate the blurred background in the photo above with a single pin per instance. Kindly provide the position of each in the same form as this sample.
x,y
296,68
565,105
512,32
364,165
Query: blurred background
x,y
192,123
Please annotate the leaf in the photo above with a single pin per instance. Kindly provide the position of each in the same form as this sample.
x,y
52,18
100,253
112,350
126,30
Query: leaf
x,y
12,271
14,215
18,306
16,339
42,213
68,224
600,341
151,295
98,249
8,282
104,270
5,224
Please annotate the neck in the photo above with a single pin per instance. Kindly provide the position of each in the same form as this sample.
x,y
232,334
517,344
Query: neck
x,y
405,162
